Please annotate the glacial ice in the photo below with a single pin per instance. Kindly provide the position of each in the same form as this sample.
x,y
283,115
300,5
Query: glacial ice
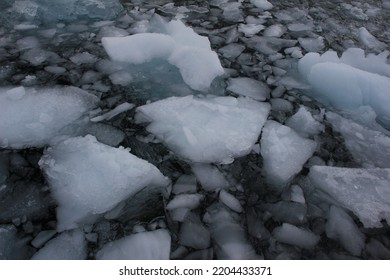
x,y
209,177
177,44
304,123
149,245
32,117
88,178
363,191
349,82
69,245
284,152
211,129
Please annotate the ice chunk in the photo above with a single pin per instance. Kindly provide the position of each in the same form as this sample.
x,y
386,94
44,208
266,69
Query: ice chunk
x,y
249,87
230,201
268,45
368,40
151,245
190,201
295,236
282,105
177,44
88,178
347,87
304,123
122,78
209,177
250,29
284,153
286,211
70,245
114,112
33,117
341,227
363,191
212,129
232,51
232,246
312,44
275,30
83,58
262,4
193,233
297,194
368,147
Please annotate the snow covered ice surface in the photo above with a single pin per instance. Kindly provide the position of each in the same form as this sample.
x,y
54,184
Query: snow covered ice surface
x,y
221,129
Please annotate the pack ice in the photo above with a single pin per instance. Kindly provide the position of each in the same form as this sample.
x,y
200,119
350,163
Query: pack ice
x,y
351,81
365,192
175,43
211,129
88,178
32,117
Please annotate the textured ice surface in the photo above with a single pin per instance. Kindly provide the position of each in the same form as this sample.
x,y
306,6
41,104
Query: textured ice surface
x,y
212,129
370,148
284,153
341,227
177,44
151,245
249,87
262,4
295,236
209,176
304,123
32,117
88,178
366,192
70,245
349,82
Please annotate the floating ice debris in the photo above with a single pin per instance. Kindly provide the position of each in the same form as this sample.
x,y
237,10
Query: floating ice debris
x,y
70,245
370,148
295,236
193,233
230,201
114,112
249,87
150,245
262,4
212,129
342,228
185,184
368,40
32,117
177,44
232,246
88,178
304,123
284,153
363,191
190,201
11,247
209,176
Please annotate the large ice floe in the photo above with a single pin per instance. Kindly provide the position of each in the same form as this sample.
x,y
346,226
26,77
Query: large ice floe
x,y
175,43
88,179
211,129
351,81
363,191
32,117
